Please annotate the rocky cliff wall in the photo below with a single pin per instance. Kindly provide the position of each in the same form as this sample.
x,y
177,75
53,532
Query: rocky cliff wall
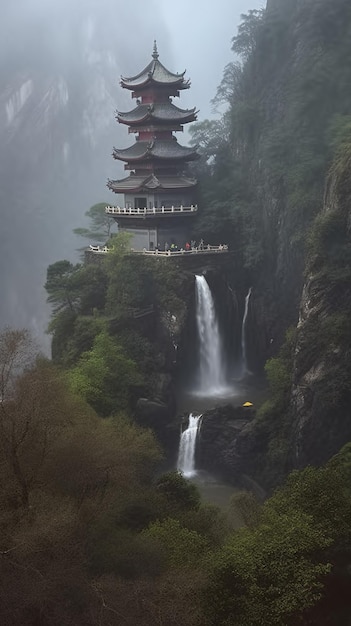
x,y
289,110
321,392
294,87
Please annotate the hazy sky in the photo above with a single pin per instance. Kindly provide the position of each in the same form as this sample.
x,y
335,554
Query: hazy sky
x,y
197,37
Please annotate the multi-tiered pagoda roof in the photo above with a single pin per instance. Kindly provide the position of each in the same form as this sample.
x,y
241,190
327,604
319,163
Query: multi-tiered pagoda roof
x,y
156,74
156,154
159,200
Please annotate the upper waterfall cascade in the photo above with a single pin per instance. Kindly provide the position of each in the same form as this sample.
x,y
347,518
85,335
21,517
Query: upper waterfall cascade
x,y
212,370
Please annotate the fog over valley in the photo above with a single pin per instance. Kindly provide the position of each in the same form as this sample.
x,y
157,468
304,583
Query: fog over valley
x,y
59,89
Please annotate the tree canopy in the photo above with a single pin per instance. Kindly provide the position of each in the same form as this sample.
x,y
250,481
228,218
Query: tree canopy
x,y
101,224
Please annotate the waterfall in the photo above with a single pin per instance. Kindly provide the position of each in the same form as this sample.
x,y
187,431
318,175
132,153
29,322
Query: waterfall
x,y
211,369
243,334
187,445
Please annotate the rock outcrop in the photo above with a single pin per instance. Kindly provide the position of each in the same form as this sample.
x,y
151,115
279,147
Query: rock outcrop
x,y
224,446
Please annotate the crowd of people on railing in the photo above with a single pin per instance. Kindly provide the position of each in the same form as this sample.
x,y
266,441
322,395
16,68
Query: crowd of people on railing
x,y
189,246
173,248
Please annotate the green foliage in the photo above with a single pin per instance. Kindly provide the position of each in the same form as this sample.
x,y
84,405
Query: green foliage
x,y
76,288
63,285
209,136
336,329
245,508
321,493
326,238
77,339
279,376
62,327
179,494
104,376
279,369
101,224
273,417
141,350
267,575
119,551
244,43
230,87
129,278
168,289
341,462
181,546
272,572
209,522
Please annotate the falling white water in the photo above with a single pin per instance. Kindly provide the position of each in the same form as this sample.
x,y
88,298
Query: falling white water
x,y
187,445
243,333
212,379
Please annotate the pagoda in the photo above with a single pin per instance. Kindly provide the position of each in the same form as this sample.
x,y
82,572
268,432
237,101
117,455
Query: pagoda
x,y
159,195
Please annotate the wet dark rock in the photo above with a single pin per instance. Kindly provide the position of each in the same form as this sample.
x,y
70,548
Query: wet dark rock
x,y
227,443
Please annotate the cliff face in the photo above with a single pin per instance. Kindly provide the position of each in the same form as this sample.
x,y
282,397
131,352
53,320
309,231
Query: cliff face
x,y
292,92
307,229
288,113
321,393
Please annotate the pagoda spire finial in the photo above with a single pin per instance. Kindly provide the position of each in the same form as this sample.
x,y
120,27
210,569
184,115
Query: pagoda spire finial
x,y
155,52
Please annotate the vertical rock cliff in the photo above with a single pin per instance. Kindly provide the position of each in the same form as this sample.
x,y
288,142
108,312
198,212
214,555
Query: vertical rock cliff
x,y
288,129
321,392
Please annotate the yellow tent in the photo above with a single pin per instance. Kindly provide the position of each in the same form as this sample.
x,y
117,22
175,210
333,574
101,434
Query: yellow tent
x,y
247,404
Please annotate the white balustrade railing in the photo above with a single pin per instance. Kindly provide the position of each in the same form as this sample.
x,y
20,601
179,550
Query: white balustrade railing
x,y
141,212
205,250
167,253
102,249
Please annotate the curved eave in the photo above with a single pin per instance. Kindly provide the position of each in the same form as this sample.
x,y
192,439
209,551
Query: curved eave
x,y
165,114
190,156
153,72
133,184
167,151
158,120
149,81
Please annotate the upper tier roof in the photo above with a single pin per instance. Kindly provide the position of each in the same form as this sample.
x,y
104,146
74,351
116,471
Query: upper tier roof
x,y
155,74
163,112
150,181
157,148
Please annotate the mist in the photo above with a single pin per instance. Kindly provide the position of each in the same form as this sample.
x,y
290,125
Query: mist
x,y
59,88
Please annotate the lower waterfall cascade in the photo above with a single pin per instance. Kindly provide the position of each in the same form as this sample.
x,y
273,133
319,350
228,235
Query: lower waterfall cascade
x,y
187,447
